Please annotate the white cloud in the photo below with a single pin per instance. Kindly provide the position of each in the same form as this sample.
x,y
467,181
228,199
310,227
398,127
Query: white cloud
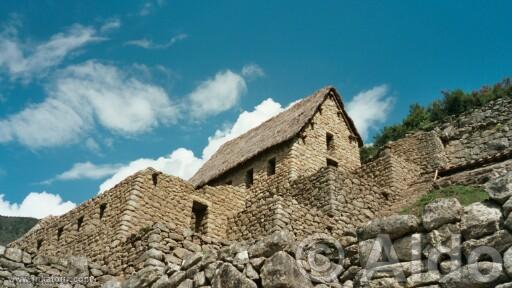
x,y
148,44
23,60
110,25
252,71
37,205
245,121
216,95
370,108
84,95
87,170
183,163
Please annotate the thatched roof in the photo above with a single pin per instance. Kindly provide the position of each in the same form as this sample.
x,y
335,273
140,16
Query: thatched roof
x,y
270,133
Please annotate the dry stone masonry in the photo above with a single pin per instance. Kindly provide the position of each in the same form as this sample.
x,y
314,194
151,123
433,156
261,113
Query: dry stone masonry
x,y
239,220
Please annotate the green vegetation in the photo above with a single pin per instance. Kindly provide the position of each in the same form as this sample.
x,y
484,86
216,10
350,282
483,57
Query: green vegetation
x,y
465,194
425,118
12,228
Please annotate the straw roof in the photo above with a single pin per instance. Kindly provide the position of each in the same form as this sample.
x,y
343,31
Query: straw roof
x,y
270,133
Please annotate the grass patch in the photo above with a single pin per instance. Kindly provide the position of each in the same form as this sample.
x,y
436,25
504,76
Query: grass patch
x,y
465,194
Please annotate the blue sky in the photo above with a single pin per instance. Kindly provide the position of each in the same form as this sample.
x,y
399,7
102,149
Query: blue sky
x,y
91,91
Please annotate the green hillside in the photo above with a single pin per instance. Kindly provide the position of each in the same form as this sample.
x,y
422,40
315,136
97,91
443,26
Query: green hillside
x,y
425,118
11,228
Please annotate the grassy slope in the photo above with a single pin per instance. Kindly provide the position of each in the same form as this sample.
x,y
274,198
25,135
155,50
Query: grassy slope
x,y
465,194
11,228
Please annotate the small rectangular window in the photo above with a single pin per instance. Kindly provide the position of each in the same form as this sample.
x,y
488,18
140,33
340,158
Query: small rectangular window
x,y
59,233
103,208
271,167
154,177
329,140
249,178
39,244
199,215
79,223
332,163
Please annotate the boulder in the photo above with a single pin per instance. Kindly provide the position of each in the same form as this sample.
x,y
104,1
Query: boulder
x,y
112,283
199,279
191,260
10,265
241,258
349,274
162,282
500,241
500,189
228,276
381,283
404,269
13,254
480,219
507,261
507,207
490,274
409,248
365,249
281,271
422,279
78,267
153,254
266,247
188,283
394,226
177,278
440,212
143,278
250,272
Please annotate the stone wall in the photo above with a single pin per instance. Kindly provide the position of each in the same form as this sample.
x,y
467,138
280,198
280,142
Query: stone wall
x,y
310,151
19,268
85,240
478,133
261,179
139,201
424,149
331,200
476,177
440,249
301,156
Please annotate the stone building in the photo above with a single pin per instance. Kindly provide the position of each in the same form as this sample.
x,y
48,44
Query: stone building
x,y
299,171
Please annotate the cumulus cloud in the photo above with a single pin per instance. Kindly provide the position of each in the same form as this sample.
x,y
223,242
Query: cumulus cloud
x,y
24,60
84,95
148,44
183,163
370,108
87,170
252,71
216,94
37,205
